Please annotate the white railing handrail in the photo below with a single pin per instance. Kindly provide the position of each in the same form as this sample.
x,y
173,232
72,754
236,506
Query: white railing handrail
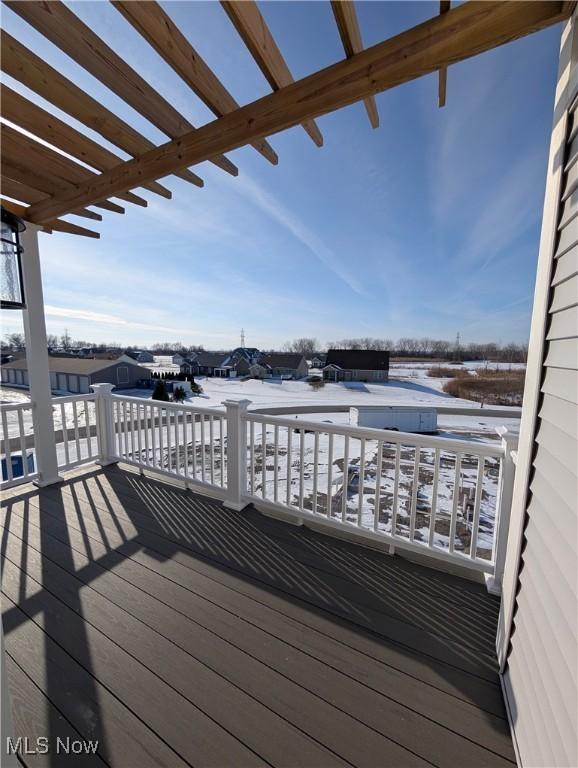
x,y
383,435
73,398
10,407
169,405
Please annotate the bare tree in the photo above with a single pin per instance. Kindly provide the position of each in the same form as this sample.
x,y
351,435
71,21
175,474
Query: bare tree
x,y
304,346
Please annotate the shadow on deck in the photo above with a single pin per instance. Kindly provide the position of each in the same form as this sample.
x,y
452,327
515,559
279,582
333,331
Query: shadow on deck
x,y
177,632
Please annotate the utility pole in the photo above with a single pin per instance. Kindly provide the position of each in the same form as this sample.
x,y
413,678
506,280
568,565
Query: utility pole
x,y
458,345
243,338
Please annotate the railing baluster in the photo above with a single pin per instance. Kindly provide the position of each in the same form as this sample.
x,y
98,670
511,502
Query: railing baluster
x,y
345,486
22,443
377,503
315,469
252,456
212,451
154,434
289,459
361,483
161,422
168,413
329,475
395,489
87,426
194,443
414,488
203,447
7,451
222,450
177,442
477,505
138,432
125,429
455,501
146,421
185,442
76,432
264,460
434,497
301,467
64,434
276,460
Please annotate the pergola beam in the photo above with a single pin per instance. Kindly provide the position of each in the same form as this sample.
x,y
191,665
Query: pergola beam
x,y
56,225
63,28
25,66
58,169
348,26
253,30
27,194
464,31
159,30
29,116
443,73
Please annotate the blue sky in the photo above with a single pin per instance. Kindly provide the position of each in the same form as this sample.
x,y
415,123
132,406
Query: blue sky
x,y
427,226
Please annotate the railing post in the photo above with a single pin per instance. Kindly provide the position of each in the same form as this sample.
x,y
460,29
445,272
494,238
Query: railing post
x,y
104,424
236,453
37,361
503,509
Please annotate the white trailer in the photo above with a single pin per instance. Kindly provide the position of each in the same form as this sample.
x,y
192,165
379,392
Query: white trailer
x,y
401,418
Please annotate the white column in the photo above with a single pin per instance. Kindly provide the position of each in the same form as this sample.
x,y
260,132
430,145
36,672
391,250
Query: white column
x,y
236,454
503,509
37,360
105,424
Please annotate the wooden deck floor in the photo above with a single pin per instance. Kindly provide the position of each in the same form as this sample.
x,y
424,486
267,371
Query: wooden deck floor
x,y
176,632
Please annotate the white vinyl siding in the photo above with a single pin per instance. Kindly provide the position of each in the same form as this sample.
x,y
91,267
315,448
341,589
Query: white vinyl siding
x,y
541,670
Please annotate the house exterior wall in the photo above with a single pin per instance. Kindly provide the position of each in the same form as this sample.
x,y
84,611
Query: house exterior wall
x,y
349,374
122,375
538,626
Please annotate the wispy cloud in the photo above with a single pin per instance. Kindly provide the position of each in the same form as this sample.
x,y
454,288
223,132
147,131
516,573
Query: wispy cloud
x,y
105,319
280,213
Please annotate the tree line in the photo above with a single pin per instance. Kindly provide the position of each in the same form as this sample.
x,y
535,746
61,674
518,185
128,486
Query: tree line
x,y
405,346
418,347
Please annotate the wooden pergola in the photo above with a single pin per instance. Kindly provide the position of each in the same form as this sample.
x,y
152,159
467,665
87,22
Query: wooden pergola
x,y
49,184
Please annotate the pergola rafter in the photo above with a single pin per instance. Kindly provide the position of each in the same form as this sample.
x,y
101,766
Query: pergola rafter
x,y
452,36
63,28
348,26
158,29
253,30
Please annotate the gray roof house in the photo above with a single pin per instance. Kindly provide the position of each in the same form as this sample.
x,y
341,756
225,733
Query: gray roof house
x,y
290,364
73,374
356,365
141,355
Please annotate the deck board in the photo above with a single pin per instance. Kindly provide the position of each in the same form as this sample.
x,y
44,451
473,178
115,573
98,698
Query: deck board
x,y
233,639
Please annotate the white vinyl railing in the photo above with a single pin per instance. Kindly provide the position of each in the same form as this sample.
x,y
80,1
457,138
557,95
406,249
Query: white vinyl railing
x,y
446,498
76,430
175,439
17,446
424,493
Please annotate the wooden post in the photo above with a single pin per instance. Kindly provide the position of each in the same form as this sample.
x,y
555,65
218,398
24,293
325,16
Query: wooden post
x,y
37,360
503,510
104,424
236,454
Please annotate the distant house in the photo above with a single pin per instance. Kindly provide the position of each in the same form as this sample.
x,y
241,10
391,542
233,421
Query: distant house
x,y
178,359
288,364
205,364
318,361
76,374
141,355
356,365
